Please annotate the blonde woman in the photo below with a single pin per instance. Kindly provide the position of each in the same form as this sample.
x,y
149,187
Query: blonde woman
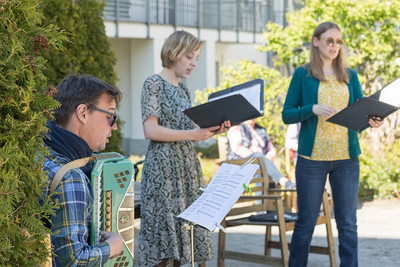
x,y
172,173
317,91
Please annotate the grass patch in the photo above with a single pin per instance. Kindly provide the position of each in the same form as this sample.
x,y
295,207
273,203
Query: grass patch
x,y
210,152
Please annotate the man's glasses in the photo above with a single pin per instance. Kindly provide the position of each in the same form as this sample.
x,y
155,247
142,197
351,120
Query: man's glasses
x,y
331,42
111,119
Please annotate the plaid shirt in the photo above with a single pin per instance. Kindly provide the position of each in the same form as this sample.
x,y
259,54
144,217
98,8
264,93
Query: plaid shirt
x,y
71,223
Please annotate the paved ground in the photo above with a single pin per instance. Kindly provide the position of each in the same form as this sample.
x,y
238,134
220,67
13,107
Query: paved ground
x,y
379,238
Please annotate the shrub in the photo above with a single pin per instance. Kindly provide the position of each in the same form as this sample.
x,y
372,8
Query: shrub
x,y
380,176
24,110
210,152
209,167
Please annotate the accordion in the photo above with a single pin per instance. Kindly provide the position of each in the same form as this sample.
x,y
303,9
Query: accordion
x,y
113,208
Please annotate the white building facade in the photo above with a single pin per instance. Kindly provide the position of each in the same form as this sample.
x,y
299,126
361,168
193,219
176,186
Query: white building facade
x,y
137,30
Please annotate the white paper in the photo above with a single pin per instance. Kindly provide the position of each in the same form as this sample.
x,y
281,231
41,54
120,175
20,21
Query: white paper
x,y
390,94
220,195
252,94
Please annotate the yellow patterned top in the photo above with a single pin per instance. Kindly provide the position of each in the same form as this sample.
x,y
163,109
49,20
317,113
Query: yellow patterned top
x,y
331,140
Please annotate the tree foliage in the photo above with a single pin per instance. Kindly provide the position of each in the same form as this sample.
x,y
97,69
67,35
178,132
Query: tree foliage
x,y
380,176
371,31
24,109
88,50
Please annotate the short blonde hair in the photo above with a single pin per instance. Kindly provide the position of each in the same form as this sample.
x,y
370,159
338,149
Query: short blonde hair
x,y
178,44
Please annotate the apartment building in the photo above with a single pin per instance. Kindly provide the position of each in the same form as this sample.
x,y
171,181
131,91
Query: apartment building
x,y
137,30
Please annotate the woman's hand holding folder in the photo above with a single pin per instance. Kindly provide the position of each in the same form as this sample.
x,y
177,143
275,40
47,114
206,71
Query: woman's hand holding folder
x,y
156,132
205,133
375,121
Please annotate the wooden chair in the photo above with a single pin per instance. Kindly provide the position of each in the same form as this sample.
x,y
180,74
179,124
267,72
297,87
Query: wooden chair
x,y
247,205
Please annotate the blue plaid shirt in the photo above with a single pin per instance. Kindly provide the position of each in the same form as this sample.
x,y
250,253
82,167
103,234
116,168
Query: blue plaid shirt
x,y
71,222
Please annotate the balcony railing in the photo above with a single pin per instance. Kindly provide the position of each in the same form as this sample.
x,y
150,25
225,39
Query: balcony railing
x,y
237,15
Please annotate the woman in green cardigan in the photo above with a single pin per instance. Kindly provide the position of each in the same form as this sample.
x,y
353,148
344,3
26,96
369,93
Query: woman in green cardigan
x,y
317,91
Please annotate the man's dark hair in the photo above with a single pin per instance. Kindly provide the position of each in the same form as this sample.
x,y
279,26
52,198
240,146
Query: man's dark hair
x,y
74,90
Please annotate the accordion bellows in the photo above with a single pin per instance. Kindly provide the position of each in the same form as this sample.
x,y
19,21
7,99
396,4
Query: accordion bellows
x,y
113,208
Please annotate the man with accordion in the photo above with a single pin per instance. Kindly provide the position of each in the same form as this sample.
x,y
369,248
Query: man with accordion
x,y
82,125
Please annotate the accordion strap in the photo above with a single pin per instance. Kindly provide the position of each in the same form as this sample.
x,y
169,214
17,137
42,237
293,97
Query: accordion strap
x,y
75,164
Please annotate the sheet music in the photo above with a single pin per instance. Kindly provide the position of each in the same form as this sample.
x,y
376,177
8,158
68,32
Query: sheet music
x,y
252,94
220,195
390,94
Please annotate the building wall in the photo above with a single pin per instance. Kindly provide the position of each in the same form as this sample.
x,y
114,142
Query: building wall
x,y
137,50
227,53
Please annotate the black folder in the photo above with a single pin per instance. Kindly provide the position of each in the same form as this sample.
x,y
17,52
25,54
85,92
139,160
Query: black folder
x,y
381,104
233,103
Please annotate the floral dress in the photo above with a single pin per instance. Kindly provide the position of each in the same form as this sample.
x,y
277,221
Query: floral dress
x,y
171,178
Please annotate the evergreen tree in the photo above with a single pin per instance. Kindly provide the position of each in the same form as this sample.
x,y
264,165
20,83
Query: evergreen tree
x,y
24,109
88,50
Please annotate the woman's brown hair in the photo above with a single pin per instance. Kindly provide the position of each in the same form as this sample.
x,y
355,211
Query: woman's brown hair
x,y
316,63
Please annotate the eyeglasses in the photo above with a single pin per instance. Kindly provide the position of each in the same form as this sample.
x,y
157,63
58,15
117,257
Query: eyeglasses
x,y
331,42
111,119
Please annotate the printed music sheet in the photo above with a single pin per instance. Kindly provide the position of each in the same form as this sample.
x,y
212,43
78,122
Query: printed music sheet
x,y
220,195
252,94
390,94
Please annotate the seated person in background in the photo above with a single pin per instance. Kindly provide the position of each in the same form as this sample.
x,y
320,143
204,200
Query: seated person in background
x,y
250,139
291,144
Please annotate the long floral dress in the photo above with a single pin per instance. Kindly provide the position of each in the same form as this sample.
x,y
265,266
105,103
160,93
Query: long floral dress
x,y
171,178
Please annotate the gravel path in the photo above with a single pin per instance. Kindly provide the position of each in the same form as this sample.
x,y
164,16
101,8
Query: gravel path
x,y
378,228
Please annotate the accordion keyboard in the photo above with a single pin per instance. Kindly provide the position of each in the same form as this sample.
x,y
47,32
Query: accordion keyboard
x,y
113,208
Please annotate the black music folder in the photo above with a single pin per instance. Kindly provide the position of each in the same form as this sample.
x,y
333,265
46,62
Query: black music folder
x,y
237,104
381,104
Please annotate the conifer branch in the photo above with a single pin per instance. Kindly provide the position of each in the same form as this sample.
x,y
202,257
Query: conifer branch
x,y
6,194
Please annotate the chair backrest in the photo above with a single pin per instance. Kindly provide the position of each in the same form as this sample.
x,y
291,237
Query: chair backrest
x,y
259,185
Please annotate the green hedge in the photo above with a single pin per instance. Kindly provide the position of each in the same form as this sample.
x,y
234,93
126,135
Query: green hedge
x,y
379,175
24,110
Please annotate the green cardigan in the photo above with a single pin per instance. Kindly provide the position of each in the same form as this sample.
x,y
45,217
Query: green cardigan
x,y
301,96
